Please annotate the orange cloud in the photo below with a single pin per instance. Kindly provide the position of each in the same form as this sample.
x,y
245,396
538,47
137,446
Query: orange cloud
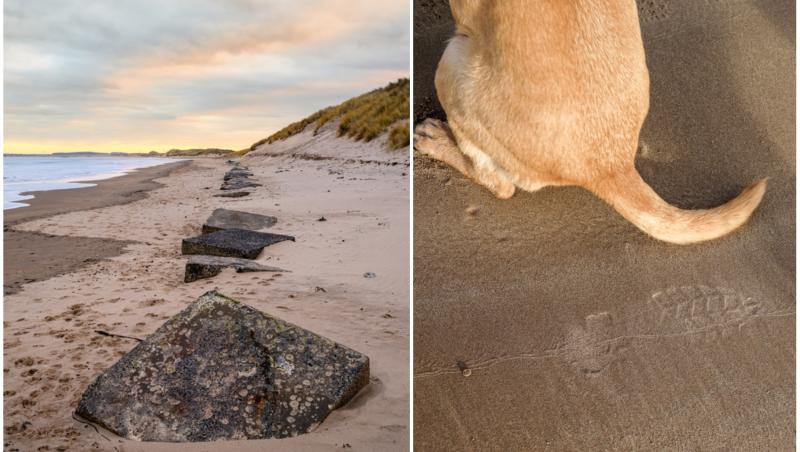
x,y
176,96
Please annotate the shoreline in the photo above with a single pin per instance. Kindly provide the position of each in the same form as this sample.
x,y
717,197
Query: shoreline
x,y
32,256
121,189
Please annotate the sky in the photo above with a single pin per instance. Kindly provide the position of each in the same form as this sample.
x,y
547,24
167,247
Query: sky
x,y
142,75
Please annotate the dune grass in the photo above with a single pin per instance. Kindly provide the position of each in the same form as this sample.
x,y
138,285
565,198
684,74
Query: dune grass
x,y
399,135
364,117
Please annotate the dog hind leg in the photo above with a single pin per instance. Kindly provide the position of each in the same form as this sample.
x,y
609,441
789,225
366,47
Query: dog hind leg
x,y
435,139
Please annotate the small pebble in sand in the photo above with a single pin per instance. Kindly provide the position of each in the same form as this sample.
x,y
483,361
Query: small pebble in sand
x,y
472,210
369,275
322,219
462,366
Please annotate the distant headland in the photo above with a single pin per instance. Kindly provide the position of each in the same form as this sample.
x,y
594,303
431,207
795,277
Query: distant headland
x,y
170,153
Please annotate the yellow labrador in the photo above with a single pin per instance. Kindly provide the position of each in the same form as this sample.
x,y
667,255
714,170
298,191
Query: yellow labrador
x,y
554,92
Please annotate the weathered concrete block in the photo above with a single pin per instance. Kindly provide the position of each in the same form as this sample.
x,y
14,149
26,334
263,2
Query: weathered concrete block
x,y
201,267
221,370
237,183
233,219
237,172
235,194
232,243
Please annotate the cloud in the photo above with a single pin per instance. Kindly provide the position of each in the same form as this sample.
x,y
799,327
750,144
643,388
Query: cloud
x,y
188,73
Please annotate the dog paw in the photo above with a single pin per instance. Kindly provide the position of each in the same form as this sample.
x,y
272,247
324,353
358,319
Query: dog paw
x,y
431,128
433,137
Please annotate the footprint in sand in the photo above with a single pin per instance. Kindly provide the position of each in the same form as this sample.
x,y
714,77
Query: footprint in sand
x,y
24,362
153,302
591,348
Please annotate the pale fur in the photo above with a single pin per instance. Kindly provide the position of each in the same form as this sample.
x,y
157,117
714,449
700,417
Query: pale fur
x,y
554,92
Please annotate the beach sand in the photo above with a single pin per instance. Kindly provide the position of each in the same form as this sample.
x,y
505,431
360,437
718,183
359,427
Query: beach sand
x,y
581,333
33,256
52,352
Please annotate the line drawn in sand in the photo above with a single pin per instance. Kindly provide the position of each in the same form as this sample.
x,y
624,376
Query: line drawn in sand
x,y
700,312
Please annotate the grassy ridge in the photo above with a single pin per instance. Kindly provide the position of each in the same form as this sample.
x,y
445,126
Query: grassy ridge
x,y
362,118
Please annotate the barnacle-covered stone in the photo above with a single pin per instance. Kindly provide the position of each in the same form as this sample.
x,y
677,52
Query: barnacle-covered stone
x,y
222,370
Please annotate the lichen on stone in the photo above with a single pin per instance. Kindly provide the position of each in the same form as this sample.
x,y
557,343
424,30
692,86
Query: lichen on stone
x,y
223,370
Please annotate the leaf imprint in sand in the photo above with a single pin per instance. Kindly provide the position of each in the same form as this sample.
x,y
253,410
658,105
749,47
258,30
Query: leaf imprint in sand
x,y
687,312
695,309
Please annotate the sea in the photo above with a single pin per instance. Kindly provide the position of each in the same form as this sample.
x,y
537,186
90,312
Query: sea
x,y
25,173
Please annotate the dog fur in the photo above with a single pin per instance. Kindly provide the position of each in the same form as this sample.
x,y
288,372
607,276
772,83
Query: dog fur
x,y
554,92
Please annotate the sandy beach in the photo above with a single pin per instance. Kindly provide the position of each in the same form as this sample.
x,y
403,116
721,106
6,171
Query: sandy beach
x,y
34,256
127,278
579,332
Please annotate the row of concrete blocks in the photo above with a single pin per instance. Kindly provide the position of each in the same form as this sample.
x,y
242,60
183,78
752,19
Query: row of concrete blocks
x,y
229,240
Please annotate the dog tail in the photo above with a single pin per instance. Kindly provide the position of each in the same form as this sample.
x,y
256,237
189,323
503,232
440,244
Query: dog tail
x,y
630,195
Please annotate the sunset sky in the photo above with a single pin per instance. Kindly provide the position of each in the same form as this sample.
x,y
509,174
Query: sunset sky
x,y
142,75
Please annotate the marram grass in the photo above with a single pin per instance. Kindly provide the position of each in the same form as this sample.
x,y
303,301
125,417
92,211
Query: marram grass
x,y
362,118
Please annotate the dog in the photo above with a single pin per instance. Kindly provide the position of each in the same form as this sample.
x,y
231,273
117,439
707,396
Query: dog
x,y
554,92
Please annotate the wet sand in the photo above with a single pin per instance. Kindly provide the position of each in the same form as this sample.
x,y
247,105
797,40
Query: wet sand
x,y
52,352
32,256
108,192
581,333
